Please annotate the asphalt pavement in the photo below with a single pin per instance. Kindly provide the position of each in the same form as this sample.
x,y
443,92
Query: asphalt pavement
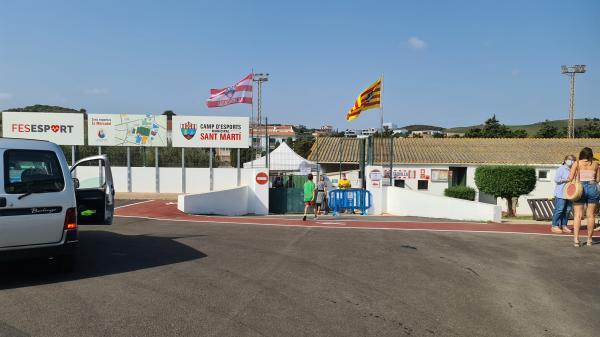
x,y
159,278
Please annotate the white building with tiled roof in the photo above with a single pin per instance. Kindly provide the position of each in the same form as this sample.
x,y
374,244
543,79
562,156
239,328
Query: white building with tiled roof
x,y
433,164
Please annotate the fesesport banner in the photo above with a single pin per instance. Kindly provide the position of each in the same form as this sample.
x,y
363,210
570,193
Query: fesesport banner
x,y
127,130
59,128
211,131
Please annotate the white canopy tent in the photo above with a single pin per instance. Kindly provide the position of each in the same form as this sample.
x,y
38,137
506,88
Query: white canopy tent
x,y
283,158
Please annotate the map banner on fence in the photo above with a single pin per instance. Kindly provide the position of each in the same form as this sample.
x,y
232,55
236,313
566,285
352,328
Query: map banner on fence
x,y
127,130
211,131
59,128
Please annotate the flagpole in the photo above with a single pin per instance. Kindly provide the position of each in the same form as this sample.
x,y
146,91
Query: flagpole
x,y
381,106
252,124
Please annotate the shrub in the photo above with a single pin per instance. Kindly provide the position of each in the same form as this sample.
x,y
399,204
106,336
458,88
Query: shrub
x,y
505,181
460,192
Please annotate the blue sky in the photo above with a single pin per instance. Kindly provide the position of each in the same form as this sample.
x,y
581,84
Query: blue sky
x,y
446,63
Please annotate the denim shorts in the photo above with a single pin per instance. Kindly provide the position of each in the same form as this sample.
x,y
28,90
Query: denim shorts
x,y
590,193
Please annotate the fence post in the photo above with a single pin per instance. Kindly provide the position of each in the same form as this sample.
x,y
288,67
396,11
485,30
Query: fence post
x,y
317,148
370,150
210,168
157,179
183,169
340,146
268,145
239,170
128,169
361,162
392,160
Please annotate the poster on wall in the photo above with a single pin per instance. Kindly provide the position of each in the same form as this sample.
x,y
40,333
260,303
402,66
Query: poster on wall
x,y
127,130
59,128
211,131
439,175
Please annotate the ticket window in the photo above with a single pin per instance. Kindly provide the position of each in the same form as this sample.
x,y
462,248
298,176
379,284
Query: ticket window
x,y
423,185
399,183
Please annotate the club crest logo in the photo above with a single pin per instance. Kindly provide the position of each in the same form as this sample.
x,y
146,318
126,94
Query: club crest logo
x,y
188,130
229,92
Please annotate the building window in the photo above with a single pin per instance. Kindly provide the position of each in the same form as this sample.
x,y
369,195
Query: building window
x,y
543,175
423,185
399,183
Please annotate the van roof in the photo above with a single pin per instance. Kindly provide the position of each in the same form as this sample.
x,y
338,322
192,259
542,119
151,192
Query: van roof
x,y
27,144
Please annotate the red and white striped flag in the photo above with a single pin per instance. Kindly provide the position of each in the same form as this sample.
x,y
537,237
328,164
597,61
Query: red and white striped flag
x,y
241,92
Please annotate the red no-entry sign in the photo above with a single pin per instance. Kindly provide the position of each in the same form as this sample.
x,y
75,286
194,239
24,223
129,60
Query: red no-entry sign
x,y
262,178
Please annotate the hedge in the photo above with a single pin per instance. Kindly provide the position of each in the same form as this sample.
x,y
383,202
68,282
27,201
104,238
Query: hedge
x,y
460,192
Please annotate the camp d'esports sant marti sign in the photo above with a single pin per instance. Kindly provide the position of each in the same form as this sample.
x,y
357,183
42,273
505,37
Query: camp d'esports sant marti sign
x,y
211,131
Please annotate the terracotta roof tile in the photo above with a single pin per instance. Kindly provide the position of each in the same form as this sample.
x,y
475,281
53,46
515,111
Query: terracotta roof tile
x,y
453,150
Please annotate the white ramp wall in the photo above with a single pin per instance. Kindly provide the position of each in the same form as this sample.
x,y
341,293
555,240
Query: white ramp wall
x,y
404,202
252,198
227,202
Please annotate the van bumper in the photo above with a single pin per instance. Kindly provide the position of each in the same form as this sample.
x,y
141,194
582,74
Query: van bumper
x,y
68,246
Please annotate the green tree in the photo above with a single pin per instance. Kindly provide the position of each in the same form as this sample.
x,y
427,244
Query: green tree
x,y
505,181
547,130
589,130
302,146
46,108
519,133
492,128
473,133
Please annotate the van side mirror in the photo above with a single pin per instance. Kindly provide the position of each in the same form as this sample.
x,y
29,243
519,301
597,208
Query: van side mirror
x,y
76,183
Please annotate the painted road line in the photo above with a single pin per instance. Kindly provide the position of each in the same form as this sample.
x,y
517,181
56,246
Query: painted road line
x,y
349,227
134,204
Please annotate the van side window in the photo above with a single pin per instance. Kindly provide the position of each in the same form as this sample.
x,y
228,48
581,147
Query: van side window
x,y
32,171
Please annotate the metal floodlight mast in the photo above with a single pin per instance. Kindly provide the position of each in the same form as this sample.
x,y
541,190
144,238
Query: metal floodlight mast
x,y
571,71
260,78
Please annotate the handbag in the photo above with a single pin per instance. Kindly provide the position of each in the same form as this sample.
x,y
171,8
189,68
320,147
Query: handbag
x,y
574,188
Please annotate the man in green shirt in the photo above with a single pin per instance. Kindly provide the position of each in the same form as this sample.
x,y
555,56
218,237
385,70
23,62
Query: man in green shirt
x,y
309,196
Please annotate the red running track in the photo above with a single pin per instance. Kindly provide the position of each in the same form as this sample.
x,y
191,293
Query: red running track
x,y
162,210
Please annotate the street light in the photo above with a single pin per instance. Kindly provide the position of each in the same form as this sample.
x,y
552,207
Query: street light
x,y
571,71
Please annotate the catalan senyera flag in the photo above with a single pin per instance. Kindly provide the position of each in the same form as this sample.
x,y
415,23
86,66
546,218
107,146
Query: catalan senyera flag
x,y
368,99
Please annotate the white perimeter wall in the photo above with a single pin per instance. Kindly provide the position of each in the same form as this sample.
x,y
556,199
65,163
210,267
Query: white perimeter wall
x,y
143,179
544,188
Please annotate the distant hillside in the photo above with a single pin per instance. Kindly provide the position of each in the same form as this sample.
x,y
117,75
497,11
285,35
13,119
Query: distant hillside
x,y
531,129
422,127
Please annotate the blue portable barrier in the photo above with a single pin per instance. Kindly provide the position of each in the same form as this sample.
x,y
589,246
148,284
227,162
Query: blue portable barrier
x,y
350,199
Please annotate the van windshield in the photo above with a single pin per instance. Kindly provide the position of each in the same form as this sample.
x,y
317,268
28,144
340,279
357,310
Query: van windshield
x,y
32,171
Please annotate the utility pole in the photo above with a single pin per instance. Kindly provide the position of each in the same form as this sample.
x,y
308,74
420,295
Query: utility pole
x,y
571,71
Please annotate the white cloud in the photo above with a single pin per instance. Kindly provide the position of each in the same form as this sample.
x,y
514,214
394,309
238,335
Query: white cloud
x,y
5,96
96,91
416,43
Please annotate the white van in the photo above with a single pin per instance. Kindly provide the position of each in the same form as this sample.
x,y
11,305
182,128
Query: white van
x,y
41,205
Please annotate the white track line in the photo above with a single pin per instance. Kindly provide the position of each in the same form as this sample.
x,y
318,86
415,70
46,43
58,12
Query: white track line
x,y
135,203
345,227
